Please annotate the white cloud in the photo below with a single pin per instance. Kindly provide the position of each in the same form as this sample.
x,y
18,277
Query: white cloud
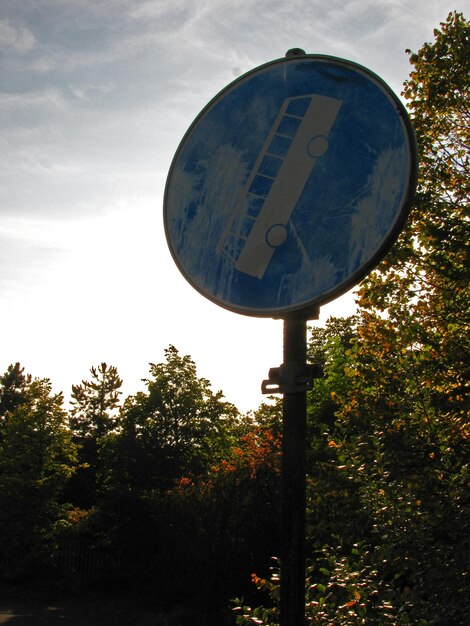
x,y
16,36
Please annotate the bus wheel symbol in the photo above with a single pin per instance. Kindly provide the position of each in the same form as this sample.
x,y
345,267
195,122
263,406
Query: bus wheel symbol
x,y
318,146
276,235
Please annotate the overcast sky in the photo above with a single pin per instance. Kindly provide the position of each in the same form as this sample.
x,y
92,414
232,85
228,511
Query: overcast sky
x,y
95,96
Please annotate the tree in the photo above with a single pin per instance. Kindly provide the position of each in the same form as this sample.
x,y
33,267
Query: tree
x,y
336,329
219,527
177,427
186,425
93,413
13,387
37,457
421,290
93,416
333,506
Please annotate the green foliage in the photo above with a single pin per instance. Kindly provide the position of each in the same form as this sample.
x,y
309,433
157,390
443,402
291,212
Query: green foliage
x,y
94,403
177,429
94,415
178,426
336,330
217,519
420,292
438,91
13,387
37,457
333,504
342,589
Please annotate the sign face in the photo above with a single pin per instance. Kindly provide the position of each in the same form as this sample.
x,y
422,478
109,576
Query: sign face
x,y
290,186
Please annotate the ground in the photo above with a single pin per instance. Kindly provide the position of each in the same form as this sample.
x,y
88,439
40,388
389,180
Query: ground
x,y
20,606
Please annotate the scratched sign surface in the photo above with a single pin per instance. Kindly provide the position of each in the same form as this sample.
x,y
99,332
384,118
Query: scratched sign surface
x,y
290,185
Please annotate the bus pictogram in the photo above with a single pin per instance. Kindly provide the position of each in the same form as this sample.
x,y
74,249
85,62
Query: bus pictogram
x,y
259,221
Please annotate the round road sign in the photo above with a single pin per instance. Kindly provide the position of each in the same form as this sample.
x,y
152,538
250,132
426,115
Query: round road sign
x,y
290,186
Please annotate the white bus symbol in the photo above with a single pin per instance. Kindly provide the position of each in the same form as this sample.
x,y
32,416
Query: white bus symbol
x,y
258,224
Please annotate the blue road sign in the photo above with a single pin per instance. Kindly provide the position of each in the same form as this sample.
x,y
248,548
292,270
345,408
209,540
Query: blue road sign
x,y
290,186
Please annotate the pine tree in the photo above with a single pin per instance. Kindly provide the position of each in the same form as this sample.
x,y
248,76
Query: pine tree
x,y
94,403
13,389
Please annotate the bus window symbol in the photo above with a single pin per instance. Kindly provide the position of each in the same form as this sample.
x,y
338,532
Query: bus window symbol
x,y
258,224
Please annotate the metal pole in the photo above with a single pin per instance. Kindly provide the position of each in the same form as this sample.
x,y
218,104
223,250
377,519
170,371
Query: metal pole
x,y
294,431
293,482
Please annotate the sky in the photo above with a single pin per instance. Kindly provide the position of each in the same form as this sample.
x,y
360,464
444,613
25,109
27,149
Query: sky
x,y
95,97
